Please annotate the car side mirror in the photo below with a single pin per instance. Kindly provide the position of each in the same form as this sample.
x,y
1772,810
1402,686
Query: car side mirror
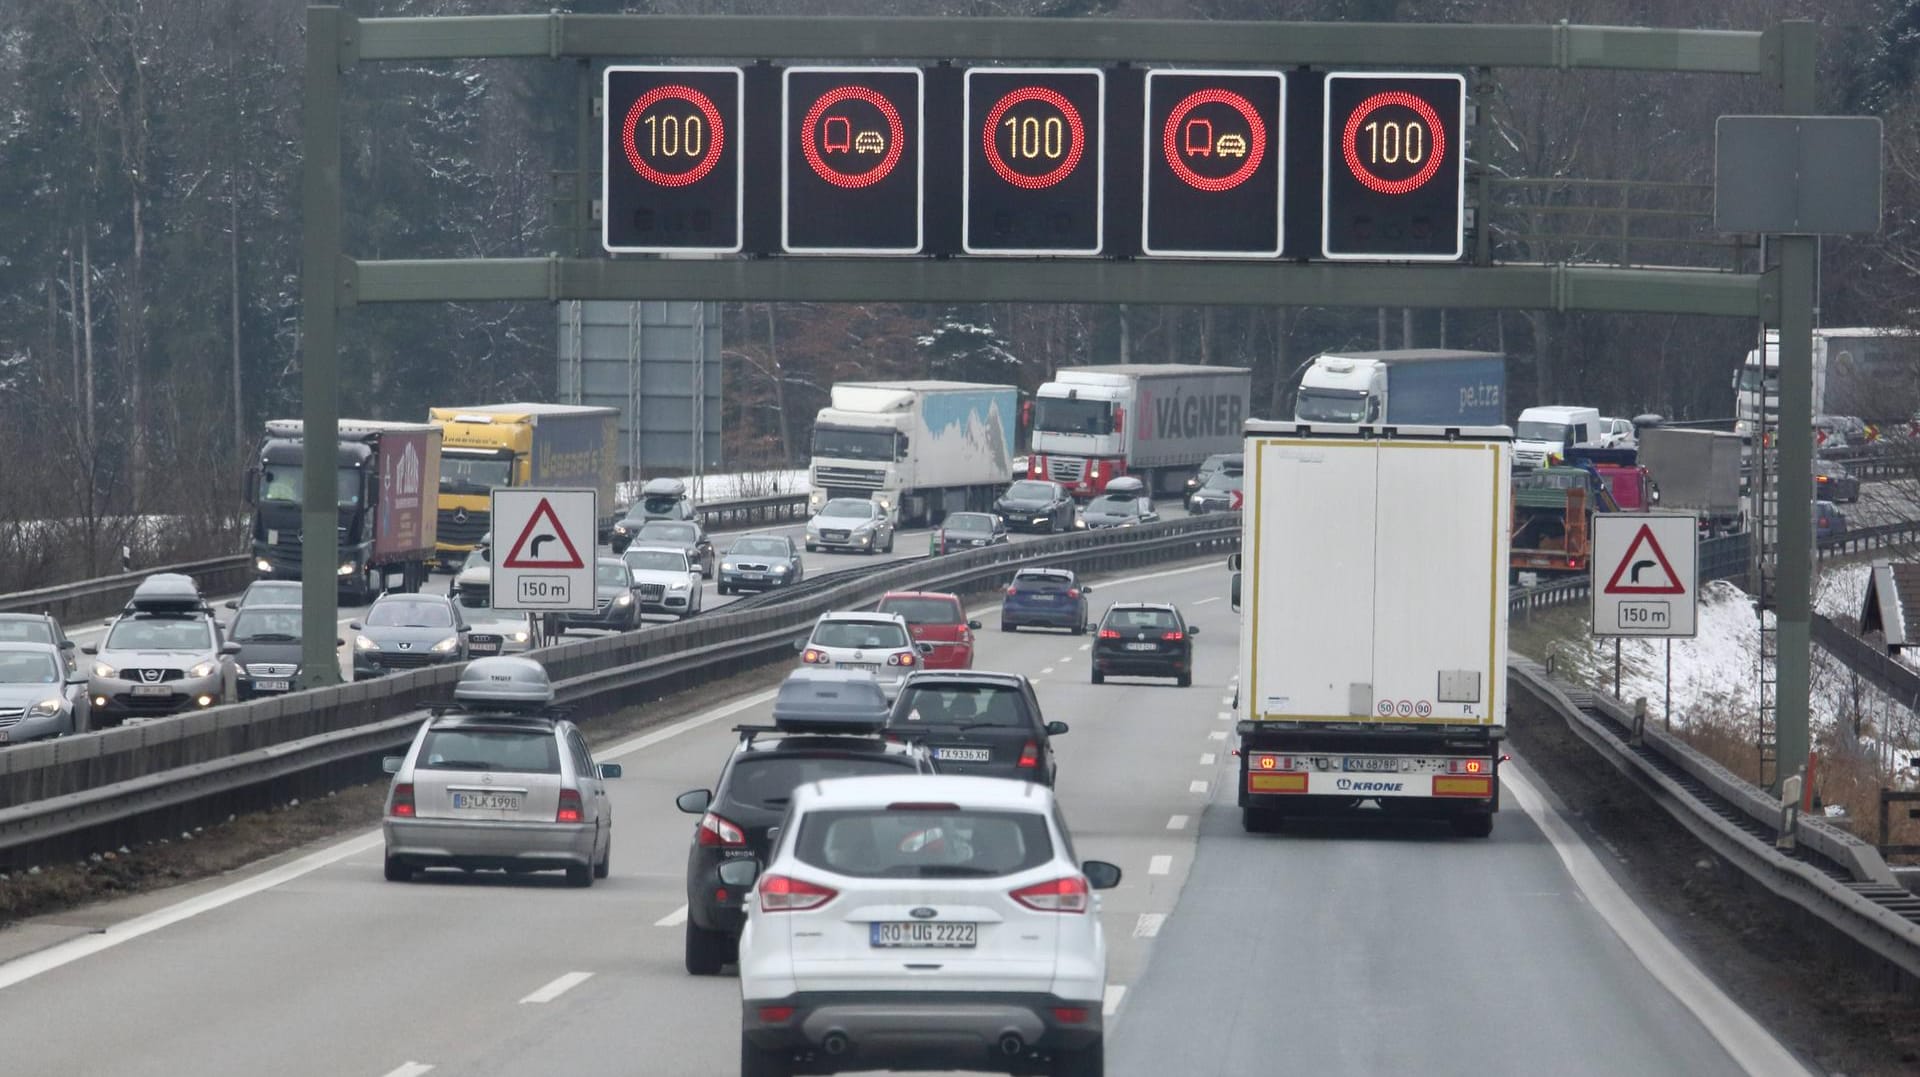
x,y
694,802
77,678
925,648
611,770
356,626
391,763
1092,627
229,648
89,649
740,873
66,645
233,603
1233,562
1085,589
1055,729
1100,874
338,642
1193,630
1234,593
974,625
799,645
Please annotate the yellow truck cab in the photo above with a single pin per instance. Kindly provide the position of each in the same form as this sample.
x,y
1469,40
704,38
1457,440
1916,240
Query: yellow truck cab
x,y
521,444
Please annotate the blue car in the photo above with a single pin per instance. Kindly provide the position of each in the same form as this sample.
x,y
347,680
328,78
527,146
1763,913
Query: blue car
x,y
1045,598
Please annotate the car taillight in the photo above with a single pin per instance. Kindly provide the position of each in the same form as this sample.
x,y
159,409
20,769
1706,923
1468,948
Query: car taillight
x,y
1109,633
1010,589
1823,522
1174,636
900,658
813,657
774,1015
571,810
1030,756
717,831
402,801
1070,1015
1073,592
784,893
1059,895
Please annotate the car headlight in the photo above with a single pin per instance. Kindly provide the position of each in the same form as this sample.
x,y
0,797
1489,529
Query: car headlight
x,y
681,586
46,708
362,643
446,646
624,600
778,570
1080,524
102,670
520,635
204,669
728,566
263,565
619,529
346,569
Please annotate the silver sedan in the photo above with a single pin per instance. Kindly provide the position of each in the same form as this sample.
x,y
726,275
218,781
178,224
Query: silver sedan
x,y
38,697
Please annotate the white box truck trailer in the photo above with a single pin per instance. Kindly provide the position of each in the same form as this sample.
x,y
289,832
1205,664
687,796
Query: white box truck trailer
x,y
920,449
1154,421
1373,630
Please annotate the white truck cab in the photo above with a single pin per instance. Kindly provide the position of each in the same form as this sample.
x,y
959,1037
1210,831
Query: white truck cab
x,y
1342,389
1551,430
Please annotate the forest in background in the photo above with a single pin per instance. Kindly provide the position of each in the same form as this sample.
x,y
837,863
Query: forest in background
x,y
149,281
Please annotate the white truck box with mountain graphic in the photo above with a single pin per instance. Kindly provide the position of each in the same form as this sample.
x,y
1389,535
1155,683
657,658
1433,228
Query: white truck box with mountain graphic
x,y
921,449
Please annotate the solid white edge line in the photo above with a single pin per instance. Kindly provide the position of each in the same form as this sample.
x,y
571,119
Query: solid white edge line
x,y
1751,1046
1176,822
1160,865
1110,1003
1148,925
410,1069
673,919
560,986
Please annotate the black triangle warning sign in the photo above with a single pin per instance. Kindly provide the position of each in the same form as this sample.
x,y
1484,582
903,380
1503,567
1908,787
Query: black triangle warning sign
x,y
1644,555
526,551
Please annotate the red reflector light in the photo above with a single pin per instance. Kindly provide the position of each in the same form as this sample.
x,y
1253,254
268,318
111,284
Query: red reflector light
x,y
1059,895
717,831
921,805
571,810
1109,633
720,895
774,1015
1030,756
402,801
784,893
1070,1015
1174,636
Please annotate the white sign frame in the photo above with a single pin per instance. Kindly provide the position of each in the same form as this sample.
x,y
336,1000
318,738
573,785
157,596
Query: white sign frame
x,y
968,119
787,153
1657,611
574,516
1326,171
607,158
1279,122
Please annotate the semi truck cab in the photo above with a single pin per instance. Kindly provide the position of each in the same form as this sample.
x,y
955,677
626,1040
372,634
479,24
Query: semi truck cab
x,y
1079,436
1337,389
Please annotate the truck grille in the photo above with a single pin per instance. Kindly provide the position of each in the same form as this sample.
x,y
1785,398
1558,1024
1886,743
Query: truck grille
x,y
455,533
857,478
1066,469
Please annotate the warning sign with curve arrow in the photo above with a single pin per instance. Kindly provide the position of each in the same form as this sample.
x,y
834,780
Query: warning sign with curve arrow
x,y
1645,574
544,546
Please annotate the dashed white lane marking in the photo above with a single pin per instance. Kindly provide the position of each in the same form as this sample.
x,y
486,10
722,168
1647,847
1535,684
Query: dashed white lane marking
x,y
1176,822
673,919
1160,865
1086,646
558,987
1111,1004
1206,759
1204,601
1225,716
1226,701
1148,925
410,1069
1064,659
1218,734
1046,671
1197,787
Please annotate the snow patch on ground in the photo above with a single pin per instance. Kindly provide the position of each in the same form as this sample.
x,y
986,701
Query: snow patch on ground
x,y
731,487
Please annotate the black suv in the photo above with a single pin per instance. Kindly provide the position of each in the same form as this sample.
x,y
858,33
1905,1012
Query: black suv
x,y
1144,639
984,724
827,724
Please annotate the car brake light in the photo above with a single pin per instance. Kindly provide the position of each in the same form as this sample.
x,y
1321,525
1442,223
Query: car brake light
x,y
1030,756
1010,589
717,831
402,801
900,658
1073,592
784,893
1174,636
1109,633
571,810
1823,521
813,657
1070,1015
1058,895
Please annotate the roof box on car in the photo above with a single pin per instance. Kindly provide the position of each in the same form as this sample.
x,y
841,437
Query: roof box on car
x,y
503,683
663,488
1125,484
829,700
167,592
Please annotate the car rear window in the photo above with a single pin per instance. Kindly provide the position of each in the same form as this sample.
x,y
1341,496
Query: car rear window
x,y
514,750
1140,619
35,631
960,704
1036,582
924,611
767,780
923,844
866,635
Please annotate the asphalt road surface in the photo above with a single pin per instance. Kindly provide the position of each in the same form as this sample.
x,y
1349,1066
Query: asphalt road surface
x,y
1346,948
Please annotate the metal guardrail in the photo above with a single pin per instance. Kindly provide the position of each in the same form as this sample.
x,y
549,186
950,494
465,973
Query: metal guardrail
x,y
95,789
1835,876
85,600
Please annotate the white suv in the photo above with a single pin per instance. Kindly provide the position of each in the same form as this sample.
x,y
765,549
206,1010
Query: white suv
x,y
878,643
922,921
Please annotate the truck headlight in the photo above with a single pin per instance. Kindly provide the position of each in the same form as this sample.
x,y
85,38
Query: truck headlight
x,y
347,569
204,669
46,708
262,565
362,643
446,646
885,503
103,671
624,600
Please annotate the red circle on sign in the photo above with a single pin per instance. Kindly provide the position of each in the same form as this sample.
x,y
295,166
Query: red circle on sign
x,y
1077,140
1350,148
1256,131
852,180
714,145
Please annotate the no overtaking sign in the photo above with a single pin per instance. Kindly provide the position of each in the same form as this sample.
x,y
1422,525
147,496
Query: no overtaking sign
x,y
1645,574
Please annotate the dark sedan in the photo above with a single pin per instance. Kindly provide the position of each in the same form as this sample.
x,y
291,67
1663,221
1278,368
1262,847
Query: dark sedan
x,y
968,531
985,724
1144,639
264,641
404,631
616,607
1220,493
1833,482
684,534
760,563
1036,505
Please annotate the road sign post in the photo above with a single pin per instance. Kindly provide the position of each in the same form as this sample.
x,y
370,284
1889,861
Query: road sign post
x,y
1645,574
545,550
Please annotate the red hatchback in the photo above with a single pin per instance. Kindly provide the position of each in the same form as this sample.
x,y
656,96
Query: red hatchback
x,y
938,619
